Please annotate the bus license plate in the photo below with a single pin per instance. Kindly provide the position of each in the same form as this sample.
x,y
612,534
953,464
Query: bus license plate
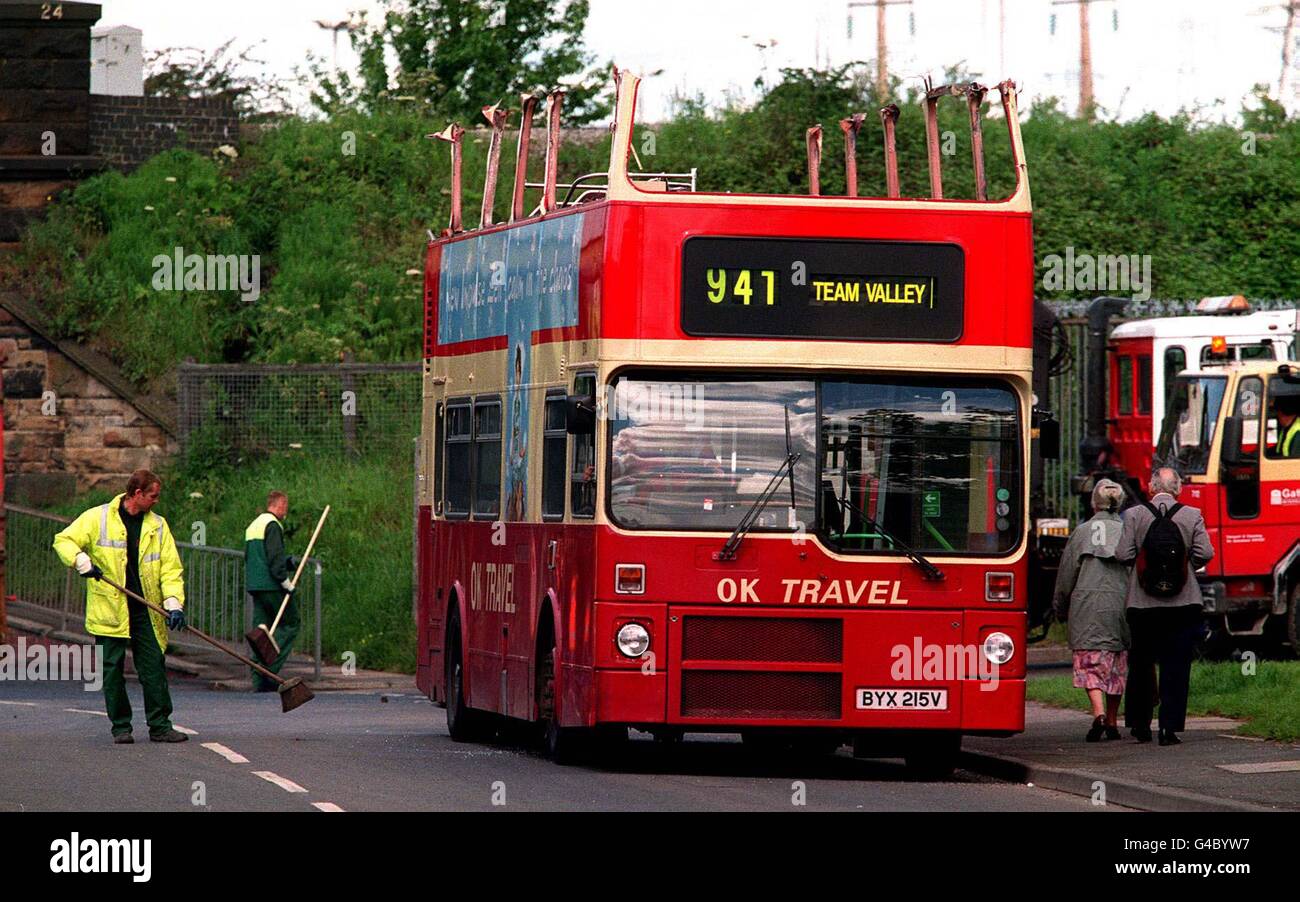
x,y
903,699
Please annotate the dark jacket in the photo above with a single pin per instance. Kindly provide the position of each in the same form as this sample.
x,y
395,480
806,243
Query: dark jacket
x,y
266,566
1092,586
1137,520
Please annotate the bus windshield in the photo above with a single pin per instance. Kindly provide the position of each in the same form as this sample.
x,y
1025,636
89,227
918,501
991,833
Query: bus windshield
x,y
1188,429
929,465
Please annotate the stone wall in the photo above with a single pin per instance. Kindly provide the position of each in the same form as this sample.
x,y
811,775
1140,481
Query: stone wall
x,y
126,131
83,436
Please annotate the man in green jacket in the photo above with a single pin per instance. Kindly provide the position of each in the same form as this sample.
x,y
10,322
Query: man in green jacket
x,y
125,541
267,578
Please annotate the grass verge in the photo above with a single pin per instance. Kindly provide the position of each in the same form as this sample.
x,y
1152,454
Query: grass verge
x,y
1267,699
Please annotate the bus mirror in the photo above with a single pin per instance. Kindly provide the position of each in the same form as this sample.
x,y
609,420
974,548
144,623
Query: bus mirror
x,y
1049,440
1230,448
580,414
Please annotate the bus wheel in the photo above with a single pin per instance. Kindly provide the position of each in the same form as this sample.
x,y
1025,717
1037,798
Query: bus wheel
x,y
933,757
464,724
561,744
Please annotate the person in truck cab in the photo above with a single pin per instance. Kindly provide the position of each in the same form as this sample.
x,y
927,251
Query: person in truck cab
x,y
1286,409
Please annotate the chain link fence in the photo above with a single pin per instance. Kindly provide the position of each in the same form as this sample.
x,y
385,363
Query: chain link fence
x,y
215,600
356,408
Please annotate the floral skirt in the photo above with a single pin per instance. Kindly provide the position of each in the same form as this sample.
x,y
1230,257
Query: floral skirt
x,y
1104,670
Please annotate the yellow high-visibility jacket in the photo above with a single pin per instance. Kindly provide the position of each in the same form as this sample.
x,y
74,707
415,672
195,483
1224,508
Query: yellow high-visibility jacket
x,y
101,534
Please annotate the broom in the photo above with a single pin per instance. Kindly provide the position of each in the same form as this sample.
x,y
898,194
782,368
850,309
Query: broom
x,y
293,693
261,638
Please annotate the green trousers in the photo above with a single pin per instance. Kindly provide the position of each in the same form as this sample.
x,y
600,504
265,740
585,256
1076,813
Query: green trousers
x,y
149,667
265,606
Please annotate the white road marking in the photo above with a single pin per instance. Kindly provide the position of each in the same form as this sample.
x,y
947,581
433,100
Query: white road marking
x,y
24,704
229,754
84,711
1261,767
286,785
186,730
326,806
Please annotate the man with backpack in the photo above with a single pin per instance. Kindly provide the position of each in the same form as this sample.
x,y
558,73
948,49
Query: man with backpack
x,y
1166,542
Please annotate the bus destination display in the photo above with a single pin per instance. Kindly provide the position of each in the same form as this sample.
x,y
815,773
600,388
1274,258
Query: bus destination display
x,y
801,288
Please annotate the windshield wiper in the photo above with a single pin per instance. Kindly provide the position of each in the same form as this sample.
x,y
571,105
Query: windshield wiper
x,y
931,571
728,552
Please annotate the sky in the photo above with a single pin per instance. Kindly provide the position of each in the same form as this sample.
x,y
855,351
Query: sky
x,y
1148,55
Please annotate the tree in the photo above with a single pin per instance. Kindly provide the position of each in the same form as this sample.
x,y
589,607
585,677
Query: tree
x,y
189,72
461,55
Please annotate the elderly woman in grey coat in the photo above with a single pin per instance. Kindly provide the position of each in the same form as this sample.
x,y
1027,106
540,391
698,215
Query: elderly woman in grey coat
x,y
1091,590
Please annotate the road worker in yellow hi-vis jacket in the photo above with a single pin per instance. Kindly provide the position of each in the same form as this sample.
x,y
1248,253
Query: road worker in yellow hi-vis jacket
x,y
124,541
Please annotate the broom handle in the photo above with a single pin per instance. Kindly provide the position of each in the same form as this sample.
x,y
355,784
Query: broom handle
x,y
302,563
198,632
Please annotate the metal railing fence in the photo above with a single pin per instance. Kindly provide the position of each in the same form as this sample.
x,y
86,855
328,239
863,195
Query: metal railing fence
x,y
215,600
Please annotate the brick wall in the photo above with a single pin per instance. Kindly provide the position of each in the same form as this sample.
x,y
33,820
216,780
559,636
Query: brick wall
x,y
82,436
126,131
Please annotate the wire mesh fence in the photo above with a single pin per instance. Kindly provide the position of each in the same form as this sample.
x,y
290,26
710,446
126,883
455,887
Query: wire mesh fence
x,y
215,600
355,408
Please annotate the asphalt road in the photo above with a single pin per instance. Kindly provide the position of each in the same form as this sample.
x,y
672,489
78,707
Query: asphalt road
x,y
357,752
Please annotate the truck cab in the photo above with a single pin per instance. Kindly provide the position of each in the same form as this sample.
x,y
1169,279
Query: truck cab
x,y
1147,355
1226,431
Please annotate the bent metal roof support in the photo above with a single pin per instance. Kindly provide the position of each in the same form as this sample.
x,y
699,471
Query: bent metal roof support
x,y
622,188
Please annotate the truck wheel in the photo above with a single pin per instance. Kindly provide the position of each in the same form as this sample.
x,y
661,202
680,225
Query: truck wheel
x,y
934,757
464,724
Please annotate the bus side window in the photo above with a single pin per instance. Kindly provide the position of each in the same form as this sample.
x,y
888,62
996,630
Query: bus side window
x,y
487,457
582,476
1175,363
1125,379
1144,383
439,419
459,432
554,466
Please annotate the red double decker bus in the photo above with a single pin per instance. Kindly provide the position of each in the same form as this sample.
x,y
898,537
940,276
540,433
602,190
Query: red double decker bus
x,y
756,464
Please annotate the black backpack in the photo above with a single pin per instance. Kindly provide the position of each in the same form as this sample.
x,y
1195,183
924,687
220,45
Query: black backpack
x,y
1162,560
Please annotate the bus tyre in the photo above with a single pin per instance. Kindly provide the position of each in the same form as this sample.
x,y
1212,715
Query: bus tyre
x,y
933,757
563,745
464,724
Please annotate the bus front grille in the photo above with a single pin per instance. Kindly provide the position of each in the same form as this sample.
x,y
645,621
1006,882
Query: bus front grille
x,y
746,694
772,639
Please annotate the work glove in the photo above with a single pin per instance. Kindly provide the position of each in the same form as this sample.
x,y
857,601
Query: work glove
x,y
175,616
287,585
294,561
86,568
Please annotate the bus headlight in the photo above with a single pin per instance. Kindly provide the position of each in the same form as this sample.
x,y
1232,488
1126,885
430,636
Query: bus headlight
x,y
633,640
998,648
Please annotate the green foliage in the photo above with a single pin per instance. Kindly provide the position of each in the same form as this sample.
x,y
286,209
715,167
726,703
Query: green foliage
x,y
338,211
460,55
